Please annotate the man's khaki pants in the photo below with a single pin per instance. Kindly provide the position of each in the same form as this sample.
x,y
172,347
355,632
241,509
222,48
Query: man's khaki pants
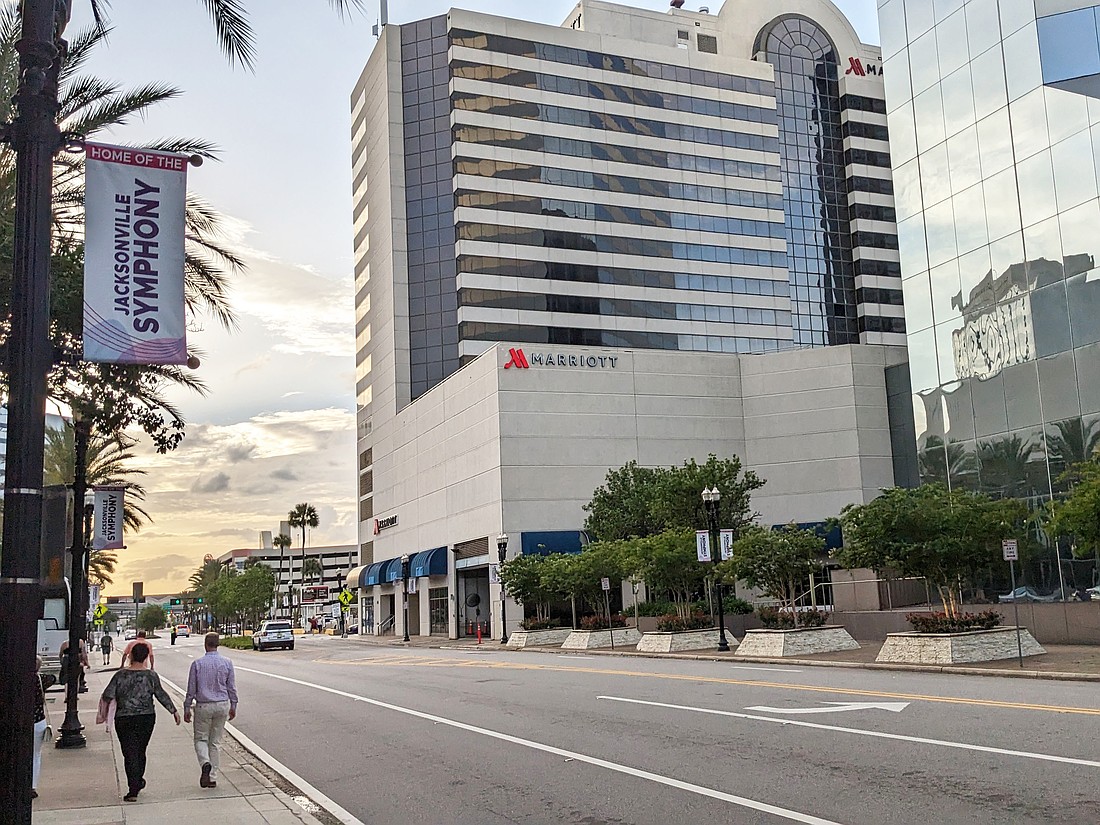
x,y
210,719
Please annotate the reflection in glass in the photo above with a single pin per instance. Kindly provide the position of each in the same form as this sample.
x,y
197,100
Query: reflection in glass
x,y
928,110
1015,14
1058,378
1005,465
1002,204
958,101
995,143
1022,395
988,75
954,50
1036,178
970,225
911,242
1051,321
918,302
940,229
891,26
924,62
1072,441
1067,114
983,29
1021,51
922,360
895,78
990,412
954,463
1068,46
918,17
1080,238
946,292
1029,124
1074,175
963,156
1088,377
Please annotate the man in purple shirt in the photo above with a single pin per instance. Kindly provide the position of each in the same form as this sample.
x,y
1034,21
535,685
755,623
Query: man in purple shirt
x,y
212,687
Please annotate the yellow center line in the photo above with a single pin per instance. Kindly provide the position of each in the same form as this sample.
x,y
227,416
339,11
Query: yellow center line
x,y
718,680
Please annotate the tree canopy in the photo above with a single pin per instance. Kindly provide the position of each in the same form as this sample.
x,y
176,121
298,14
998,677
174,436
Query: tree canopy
x,y
151,617
776,562
1078,515
942,535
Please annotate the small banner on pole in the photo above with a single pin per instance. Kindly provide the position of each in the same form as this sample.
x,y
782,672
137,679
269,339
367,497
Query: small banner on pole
x,y
134,256
108,518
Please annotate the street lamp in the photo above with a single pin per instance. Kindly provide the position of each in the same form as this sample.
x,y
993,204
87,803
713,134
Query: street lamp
x,y
405,595
711,498
502,551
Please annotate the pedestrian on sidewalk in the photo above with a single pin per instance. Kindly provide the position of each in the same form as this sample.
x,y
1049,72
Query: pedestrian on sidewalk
x,y
140,641
68,663
133,689
212,687
106,645
41,725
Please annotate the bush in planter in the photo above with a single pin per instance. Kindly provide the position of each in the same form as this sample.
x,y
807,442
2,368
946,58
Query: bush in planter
x,y
600,622
774,619
540,624
658,608
736,606
676,624
961,623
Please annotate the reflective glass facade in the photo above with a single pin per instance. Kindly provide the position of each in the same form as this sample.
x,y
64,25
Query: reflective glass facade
x,y
999,224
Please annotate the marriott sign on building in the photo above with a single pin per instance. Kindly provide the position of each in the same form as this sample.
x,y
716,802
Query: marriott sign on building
x,y
585,245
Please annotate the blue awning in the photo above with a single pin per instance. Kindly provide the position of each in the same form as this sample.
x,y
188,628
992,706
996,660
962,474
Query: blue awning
x,y
356,577
391,571
372,574
429,563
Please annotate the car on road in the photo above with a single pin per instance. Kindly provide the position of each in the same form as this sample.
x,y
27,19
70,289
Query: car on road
x,y
183,630
130,635
273,634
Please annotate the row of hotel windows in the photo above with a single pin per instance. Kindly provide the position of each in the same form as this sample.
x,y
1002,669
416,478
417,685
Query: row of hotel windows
x,y
619,276
608,91
610,63
588,242
551,207
504,170
588,305
478,331
564,116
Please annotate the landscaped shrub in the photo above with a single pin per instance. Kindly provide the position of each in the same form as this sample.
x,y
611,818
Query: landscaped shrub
x,y
539,624
674,624
236,642
773,619
600,622
736,606
658,608
942,623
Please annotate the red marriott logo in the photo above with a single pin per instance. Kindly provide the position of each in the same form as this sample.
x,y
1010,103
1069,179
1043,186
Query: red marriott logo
x,y
517,360
857,67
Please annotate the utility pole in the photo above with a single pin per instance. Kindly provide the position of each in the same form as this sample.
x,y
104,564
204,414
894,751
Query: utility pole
x,y
35,137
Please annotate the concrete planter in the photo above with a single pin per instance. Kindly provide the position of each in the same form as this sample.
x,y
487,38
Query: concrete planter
x,y
665,642
551,637
801,642
957,648
589,639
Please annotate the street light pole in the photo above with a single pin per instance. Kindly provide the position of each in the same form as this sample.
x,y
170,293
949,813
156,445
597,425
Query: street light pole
x,y
405,593
711,498
35,137
502,552
71,731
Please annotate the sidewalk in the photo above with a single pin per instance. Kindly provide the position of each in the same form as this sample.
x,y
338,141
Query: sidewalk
x,y
85,786
1060,662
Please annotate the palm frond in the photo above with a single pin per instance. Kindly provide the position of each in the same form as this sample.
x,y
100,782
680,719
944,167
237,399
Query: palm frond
x,y
80,47
235,35
206,288
121,109
82,92
186,146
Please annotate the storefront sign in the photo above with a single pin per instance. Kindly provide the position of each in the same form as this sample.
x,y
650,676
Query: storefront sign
x,y
520,360
861,69
381,524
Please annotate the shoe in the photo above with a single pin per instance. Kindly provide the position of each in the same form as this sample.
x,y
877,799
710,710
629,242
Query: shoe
x,y
130,797
143,784
34,794
213,783
205,781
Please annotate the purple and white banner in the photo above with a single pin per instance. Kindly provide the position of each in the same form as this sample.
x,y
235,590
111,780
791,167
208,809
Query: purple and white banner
x,y
107,531
134,256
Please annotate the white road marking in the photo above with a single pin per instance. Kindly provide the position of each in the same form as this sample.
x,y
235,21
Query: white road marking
x,y
752,804
770,669
294,779
920,740
837,707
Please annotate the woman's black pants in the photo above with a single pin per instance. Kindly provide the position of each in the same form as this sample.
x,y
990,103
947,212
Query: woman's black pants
x,y
134,733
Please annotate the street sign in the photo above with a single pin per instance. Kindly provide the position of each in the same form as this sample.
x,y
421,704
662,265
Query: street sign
x,y
412,586
346,597
335,611
494,574
702,545
726,540
100,611
1011,549
605,583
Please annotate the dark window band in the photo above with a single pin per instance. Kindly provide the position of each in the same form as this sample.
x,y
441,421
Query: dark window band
x,y
871,131
873,186
867,157
873,212
877,295
876,323
863,104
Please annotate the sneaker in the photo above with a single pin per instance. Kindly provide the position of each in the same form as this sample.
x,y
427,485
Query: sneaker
x,y
205,781
130,797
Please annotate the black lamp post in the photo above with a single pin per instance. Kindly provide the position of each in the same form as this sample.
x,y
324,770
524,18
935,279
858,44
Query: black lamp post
x,y
405,593
71,731
502,551
711,498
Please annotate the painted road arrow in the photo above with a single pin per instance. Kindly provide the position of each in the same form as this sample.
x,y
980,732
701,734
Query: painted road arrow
x,y
838,707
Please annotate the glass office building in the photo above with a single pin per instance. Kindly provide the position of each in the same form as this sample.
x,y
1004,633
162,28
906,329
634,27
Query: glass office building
x,y
995,138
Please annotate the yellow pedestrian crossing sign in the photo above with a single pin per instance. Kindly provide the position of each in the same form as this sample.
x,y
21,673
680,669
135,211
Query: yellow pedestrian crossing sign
x,y
100,611
346,597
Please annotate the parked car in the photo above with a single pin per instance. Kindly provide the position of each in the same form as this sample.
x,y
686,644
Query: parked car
x,y
273,634
130,635
1027,594
183,630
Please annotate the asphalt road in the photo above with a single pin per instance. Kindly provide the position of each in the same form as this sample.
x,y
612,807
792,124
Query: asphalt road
x,y
454,737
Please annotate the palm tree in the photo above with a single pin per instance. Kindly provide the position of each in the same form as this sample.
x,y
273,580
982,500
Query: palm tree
x,y
282,541
1075,442
303,515
101,566
1003,466
107,466
942,462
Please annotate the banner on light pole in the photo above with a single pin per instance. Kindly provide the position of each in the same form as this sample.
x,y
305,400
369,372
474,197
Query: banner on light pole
x,y
108,518
135,204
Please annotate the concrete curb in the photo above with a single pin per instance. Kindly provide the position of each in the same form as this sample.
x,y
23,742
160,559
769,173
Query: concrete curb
x,y
961,670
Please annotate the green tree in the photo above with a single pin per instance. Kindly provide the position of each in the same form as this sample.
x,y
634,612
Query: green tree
x,y
1078,515
304,515
637,501
101,566
253,591
312,569
524,579
151,618
945,536
776,562
282,541
668,563
1074,442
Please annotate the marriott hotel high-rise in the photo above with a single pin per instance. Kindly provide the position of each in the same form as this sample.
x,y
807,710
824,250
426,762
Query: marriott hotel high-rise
x,y
655,183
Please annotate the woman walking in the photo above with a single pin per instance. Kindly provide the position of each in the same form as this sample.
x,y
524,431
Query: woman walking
x,y
133,689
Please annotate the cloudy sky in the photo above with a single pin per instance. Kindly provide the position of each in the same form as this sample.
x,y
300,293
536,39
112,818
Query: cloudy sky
x,y
278,424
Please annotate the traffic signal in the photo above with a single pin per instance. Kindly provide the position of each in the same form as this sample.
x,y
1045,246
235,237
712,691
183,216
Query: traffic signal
x,y
176,602
198,600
